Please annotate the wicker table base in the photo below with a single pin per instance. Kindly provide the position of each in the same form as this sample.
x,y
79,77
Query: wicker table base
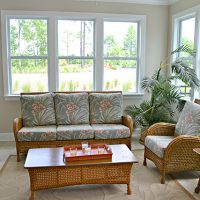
x,y
59,174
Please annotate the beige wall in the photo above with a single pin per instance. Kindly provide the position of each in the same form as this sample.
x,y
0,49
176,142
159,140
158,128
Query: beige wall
x,y
156,38
176,8
183,5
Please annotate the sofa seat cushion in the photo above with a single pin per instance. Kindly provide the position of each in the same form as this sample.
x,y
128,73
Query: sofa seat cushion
x,y
72,109
158,144
37,110
74,132
105,108
189,120
37,133
110,131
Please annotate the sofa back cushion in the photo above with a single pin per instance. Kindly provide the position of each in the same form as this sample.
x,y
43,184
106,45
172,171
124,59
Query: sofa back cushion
x,y
105,108
37,110
72,108
189,120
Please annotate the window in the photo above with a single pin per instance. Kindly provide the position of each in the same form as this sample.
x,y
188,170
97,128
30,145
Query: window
x,y
75,54
120,56
186,33
48,51
27,53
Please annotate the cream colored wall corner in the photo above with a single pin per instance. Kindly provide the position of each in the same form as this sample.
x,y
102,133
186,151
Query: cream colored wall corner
x,y
5,137
156,38
176,8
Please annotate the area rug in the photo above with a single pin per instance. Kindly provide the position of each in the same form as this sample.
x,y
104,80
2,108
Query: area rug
x,y
14,185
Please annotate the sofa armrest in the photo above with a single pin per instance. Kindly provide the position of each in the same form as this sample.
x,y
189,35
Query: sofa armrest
x,y
128,121
181,149
161,129
17,125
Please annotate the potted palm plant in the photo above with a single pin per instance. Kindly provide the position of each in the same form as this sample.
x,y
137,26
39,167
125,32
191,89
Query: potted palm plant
x,y
165,96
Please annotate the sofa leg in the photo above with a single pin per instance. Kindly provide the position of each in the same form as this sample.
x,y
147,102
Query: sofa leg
x,y
145,161
162,178
18,156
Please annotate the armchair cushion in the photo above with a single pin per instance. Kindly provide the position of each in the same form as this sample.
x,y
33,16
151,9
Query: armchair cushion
x,y
158,144
110,131
74,132
105,108
72,109
189,120
37,133
37,110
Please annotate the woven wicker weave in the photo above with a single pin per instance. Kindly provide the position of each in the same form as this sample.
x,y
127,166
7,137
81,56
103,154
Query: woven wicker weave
x,y
47,169
179,154
22,147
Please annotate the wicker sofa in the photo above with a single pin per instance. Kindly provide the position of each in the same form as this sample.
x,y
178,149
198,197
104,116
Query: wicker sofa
x,y
67,118
171,146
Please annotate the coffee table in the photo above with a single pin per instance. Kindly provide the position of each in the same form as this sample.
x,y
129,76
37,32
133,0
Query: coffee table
x,y
48,170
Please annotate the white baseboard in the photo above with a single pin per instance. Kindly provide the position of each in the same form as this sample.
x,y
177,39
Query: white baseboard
x,y
6,137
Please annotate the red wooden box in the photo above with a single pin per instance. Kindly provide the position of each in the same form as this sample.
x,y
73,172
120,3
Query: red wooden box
x,y
94,154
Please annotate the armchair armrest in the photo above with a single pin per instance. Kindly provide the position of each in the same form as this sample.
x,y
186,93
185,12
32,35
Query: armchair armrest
x,y
128,121
17,125
180,150
197,101
161,129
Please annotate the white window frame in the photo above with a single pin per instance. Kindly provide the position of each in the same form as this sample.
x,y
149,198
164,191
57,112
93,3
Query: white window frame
x,y
176,20
52,17
77,57
22,57
131,58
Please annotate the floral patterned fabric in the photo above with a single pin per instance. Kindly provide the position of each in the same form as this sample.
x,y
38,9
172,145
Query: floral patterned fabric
x,y
189,120
37,133
105,108
158,144
37,110
74,132
110,131
72,109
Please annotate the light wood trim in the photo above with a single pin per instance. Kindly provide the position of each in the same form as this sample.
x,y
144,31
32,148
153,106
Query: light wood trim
x,y
128,121
17,125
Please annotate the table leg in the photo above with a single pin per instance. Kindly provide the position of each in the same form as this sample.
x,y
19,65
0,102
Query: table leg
x,y
129,189
197,189
31,195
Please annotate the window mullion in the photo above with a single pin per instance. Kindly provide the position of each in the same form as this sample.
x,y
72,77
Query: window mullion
x,y
28,57
120,58
9,81
76,57
52,54
99,62
197,47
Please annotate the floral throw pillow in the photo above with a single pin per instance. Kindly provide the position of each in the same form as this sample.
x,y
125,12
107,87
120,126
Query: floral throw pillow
x,y
72,109
189,120
105,108
37,110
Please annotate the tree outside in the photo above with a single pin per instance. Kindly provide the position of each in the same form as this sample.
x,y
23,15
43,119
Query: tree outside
x,y
29,64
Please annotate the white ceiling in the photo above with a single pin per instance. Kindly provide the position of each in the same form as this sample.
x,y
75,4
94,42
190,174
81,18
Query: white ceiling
x,y
153,2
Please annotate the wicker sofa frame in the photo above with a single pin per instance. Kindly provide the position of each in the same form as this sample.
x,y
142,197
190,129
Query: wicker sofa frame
x,y
179,154
23,146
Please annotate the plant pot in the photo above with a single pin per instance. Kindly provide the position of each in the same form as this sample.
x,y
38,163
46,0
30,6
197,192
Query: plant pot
x,y
143,134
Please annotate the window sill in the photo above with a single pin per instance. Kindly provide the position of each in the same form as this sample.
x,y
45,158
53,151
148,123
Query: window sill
x,y
133,96
12,97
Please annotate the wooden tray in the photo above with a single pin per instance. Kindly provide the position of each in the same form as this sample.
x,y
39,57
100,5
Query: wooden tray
x,y
92,156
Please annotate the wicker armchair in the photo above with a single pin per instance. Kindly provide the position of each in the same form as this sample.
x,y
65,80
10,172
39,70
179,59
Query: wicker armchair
x,y
178,155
